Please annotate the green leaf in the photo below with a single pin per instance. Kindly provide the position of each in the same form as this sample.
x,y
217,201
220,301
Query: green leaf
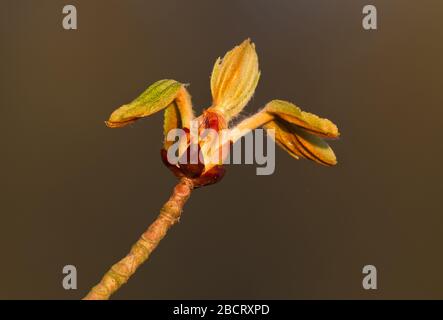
x,y
310,122
157,97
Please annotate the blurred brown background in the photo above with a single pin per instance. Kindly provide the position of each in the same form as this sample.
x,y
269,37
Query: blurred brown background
x,y
76,192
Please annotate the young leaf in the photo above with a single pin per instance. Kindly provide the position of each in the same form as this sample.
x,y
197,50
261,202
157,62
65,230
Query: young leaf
x,y
313,147
157,97
184,105
234,79
284,138
310,122
300,143
172,121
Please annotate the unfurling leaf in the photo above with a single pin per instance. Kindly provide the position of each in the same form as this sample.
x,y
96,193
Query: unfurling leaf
x,y
313,147
310,122
300,143
234,79
284,138
172,121
157,97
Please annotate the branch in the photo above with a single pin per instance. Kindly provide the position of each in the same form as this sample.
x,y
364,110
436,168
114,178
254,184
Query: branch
x,y
120,272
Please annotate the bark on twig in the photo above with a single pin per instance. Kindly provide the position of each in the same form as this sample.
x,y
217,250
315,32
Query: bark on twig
x,y
120,272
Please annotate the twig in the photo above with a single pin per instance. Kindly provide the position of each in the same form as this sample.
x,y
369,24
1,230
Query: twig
x,y
120,272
